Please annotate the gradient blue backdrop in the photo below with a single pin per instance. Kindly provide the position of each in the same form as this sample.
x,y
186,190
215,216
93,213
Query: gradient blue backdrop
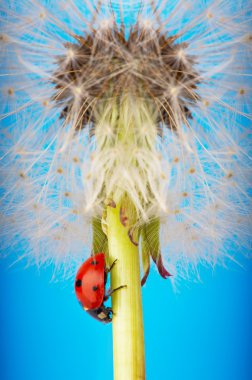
x,y
202,333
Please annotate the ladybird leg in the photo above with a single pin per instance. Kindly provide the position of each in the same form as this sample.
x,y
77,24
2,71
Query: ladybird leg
x,y
107,270
111,291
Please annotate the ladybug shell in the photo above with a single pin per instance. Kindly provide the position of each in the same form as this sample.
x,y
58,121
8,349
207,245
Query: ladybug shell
x,y
90,282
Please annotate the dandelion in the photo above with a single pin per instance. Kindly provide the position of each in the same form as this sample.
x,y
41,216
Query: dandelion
x,y
126,131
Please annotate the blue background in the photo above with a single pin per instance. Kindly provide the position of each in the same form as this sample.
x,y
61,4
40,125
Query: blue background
x,y
201,333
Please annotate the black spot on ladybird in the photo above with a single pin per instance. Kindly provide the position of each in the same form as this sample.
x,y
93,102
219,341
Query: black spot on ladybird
x,y
95,288
94,262
78,283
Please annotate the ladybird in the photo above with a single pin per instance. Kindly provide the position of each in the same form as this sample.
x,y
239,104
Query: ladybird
x,y
90,287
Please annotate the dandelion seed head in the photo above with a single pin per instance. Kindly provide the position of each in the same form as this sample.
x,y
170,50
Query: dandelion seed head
x,y
70,55
42,15
152,102
11,91
146,23
181,54
105,24
173,91
45,103
206,102
77,91
3,38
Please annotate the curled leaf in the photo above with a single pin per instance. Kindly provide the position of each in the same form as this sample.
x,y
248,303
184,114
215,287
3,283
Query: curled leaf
x,y
133,235
150,236
160,266
145,276
145,257
110,202
123,218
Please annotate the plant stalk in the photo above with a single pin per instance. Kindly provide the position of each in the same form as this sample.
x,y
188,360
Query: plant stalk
x,y
128,333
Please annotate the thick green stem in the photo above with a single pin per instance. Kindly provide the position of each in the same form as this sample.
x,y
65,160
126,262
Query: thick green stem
x,y
128,335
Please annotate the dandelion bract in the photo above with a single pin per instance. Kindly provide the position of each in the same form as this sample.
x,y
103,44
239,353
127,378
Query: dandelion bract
x,y
148,99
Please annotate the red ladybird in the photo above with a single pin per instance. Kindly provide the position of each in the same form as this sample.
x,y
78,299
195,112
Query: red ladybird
x,y
90,287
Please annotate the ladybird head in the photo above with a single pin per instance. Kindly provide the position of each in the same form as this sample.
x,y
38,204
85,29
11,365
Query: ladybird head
x,y
102,314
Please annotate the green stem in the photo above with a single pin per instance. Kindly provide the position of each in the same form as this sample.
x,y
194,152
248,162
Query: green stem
x,y
128,335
